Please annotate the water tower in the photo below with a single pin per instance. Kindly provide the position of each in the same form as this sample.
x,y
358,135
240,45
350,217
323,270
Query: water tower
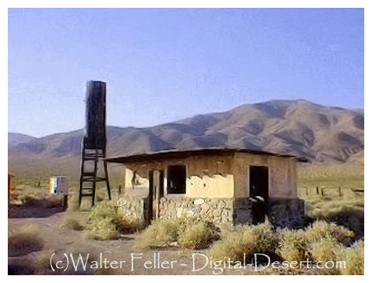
x,y
94,141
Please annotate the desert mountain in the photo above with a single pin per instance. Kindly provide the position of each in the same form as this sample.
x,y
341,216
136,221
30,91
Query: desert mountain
x,y
320,133
14,138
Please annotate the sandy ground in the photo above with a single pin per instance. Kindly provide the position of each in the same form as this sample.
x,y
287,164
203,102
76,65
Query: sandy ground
x,y
61,242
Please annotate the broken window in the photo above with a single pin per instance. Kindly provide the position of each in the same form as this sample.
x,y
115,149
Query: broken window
x,y
176,179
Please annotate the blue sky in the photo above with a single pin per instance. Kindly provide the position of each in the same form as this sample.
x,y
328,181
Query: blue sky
x,y
163,65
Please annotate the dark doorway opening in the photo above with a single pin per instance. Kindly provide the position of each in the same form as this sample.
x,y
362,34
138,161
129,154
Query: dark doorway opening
x,y
156,191
176,179
259,192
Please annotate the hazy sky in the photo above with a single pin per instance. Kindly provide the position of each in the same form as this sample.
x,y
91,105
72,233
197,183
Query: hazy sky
x,y
162,65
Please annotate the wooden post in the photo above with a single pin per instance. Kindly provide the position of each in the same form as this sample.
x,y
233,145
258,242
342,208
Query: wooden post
x,y
307,192
65,202
339,191
317,190
322,191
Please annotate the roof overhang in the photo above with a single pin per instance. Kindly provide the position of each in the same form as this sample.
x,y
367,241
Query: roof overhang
x,y
171,154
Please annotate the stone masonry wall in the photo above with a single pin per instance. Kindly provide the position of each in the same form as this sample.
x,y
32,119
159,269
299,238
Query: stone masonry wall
x,y
287,212
214,210
134,208
281,212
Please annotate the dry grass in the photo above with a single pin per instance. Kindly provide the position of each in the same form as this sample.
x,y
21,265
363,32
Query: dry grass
x,y
74,221
102,222
183,232
298,245
343,175
321,229
318,207
159,233
28,239
321,241
244,241
106,222
198,235
292,245
354,258
325,249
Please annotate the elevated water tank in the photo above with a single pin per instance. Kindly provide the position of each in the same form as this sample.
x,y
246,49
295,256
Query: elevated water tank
x,y
95,115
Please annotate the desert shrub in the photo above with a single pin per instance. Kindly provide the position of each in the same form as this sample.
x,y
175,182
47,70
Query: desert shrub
x,y
105,222
102,221
321,229
73,221
325,249
190,233
298,245
102,229
159,233
103,209
28,239
247,239
354,258
292,245
197,235
126,225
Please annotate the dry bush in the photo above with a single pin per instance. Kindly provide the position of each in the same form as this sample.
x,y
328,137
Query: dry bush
x,y
292,245
106,222
28,239
73,221
102,229
325,249
298,245
185,232
102,222
321,229
197,235
159,233
246,239
104,209
354,258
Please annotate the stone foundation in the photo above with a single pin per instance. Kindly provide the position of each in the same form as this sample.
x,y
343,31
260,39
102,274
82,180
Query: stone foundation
x,y
281,212
287,213
213,210
134,208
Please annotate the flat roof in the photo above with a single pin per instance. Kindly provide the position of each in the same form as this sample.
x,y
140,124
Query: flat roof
x,y
174,153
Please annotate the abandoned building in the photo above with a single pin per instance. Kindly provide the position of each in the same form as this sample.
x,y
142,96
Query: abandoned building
x,y
233,186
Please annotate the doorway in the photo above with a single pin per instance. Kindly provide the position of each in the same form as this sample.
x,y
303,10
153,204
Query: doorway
x,y
259,192
156,191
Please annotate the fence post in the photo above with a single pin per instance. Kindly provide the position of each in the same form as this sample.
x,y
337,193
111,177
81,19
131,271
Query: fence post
x,y
307,192
322,191
339,191
317,190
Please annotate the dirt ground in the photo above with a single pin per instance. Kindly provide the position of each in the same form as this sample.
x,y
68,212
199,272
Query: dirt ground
x,y
60,242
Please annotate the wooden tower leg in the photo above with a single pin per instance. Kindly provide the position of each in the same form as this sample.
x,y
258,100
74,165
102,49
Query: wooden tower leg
x,y
94,181
81,174
107,180
89,177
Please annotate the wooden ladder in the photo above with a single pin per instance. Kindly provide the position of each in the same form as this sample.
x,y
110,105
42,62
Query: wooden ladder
x,y
89,178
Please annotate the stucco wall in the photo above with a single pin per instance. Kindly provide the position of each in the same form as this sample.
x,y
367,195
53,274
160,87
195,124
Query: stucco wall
x,y
206,176
282,174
